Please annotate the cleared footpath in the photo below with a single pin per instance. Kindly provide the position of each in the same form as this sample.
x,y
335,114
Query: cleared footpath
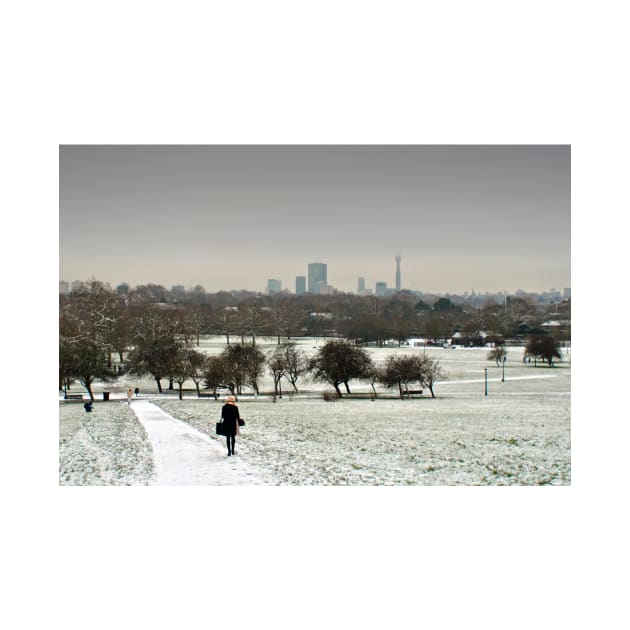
x,y
184,456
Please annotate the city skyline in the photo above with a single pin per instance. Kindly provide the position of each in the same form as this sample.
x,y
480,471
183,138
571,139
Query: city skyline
x,y
463,218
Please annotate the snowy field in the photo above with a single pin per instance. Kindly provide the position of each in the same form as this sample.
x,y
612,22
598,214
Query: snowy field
x,y
106,447
520,434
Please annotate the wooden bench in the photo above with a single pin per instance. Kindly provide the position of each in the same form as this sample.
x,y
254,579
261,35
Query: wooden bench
x,y
412,392
205,395
73,397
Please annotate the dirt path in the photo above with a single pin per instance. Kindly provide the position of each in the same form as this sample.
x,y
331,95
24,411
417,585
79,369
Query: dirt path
x,y
184,456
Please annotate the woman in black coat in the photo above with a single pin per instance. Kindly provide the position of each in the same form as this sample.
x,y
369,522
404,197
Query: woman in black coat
x,y
230,417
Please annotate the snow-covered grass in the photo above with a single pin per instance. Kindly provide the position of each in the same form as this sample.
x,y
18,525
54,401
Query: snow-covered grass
x,y
520,433
508,439
105,447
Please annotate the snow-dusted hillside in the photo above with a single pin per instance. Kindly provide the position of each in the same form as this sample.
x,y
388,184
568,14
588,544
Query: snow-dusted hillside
x,y
520,433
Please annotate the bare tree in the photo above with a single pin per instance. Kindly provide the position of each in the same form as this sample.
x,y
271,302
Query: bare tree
x,y
85,361
497,354
431,372
544,347
243,365
186,365
295,363
252,321
402,371
339,361
156,346
276,365
214,374
405,370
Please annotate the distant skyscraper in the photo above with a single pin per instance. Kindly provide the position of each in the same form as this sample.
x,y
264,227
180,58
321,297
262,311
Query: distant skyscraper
x,y
317,272
300,285
380,289
274,286
361,285
397,272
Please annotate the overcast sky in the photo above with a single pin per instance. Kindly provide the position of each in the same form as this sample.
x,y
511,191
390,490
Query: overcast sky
x,y
229,217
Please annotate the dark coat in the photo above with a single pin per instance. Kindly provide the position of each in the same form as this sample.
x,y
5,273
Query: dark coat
x,y
230,416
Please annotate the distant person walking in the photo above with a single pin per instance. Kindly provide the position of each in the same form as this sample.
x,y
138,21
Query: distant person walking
x,y
230,417
129,396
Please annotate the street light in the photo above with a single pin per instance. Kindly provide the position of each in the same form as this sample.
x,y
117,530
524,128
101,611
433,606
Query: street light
x,y
485,372
503,375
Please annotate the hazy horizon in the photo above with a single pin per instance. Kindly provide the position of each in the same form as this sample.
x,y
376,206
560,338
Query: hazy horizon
x,y
463,218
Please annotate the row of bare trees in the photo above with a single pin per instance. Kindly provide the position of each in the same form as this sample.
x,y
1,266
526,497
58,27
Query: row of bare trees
x,y
159,338
339,361
364,319
163,352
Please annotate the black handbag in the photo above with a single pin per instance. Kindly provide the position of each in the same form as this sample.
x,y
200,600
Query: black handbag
x,y
241,422
220,428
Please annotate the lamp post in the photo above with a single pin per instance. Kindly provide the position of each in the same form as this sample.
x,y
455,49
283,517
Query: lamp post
x,y
485,373
503,374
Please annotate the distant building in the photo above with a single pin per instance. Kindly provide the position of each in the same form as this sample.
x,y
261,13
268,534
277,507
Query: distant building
x,y
397,272
274,286
64,287
566,292
317,276
361,285
300,285
323,288
380,289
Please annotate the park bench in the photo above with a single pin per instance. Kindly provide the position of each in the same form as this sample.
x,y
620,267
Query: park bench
x,y
205,395
73,397
412,392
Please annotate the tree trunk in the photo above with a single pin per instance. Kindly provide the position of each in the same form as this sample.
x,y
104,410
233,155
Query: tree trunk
x,y
347,387
338,390
181,386
158,380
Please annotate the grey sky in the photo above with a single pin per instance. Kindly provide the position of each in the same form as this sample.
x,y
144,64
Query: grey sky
x,y
230,217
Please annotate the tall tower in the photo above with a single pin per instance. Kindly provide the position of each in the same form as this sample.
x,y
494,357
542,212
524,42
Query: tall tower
x,y
317,272
397,272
